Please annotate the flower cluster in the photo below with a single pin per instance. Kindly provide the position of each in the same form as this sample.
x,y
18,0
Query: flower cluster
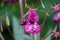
x,y
56,8
30,23
56,19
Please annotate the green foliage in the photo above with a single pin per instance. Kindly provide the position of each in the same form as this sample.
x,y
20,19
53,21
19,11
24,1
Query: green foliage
x,y
14,16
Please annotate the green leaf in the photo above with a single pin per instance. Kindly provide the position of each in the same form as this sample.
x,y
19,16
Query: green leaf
x,y
18,33
49,37
18,30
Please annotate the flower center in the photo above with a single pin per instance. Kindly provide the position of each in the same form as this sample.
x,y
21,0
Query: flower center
x,y
32,21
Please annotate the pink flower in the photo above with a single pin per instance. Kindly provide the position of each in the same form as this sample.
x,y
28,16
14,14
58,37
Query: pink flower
x,y
32,28
56,7
57,17
32,16
57,35
30,23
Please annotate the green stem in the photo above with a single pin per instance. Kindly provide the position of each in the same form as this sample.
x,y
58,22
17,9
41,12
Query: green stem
x,y
47,36
43,23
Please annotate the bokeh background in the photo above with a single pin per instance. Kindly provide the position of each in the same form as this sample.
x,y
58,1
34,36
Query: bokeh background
x,y
14,18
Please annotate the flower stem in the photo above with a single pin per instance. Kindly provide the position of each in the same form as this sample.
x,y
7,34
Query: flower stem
x,y
43,23
58,28
21,8
47,36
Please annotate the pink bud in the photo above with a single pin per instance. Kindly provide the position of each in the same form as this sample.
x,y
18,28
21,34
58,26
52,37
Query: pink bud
x,y
56,18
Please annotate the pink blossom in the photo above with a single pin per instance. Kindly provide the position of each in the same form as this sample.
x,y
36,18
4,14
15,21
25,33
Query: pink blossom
x,y
57,35
30,23
56,7
57,17
33,16
33,28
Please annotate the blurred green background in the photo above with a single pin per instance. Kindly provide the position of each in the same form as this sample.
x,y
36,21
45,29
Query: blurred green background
x,y
14,17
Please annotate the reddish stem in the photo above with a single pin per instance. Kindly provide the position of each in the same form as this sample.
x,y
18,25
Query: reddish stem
x,y
21,8
44,20
43,23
